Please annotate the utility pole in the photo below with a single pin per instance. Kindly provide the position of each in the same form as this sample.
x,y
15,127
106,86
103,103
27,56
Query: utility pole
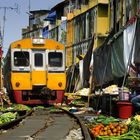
x,y
4,18
2,39
29,5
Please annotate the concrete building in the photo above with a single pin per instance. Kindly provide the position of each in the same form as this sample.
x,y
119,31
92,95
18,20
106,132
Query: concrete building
x,y
121,11
36,24
85,19
74,22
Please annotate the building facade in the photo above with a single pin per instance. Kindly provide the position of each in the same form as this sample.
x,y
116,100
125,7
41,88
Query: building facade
x,y
36,24
75,22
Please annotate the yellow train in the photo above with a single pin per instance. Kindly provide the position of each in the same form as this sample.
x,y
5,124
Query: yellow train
x,y
34,71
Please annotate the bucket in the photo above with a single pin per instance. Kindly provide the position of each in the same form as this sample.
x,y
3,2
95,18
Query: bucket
x,y
124,96
125,109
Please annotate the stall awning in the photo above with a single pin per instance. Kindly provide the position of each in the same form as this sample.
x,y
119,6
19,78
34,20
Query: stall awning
x,y
45,32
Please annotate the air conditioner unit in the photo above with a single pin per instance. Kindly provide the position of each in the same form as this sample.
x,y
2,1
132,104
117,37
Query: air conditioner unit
x,y
63,18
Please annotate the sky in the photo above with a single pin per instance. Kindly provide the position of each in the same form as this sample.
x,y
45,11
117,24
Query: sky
x,y
18,19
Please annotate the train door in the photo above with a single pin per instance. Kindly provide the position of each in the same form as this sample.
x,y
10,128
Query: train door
x,y
38,68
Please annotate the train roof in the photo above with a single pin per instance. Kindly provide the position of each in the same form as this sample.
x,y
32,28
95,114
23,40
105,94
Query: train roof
x,y
29,43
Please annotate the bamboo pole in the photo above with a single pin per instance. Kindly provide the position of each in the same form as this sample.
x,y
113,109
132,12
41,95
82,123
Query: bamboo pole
x,y
90,89
71,80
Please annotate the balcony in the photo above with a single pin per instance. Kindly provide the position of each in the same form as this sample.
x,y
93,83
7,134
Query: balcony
x,y
77,12
103,1
92,3
70,16
84,8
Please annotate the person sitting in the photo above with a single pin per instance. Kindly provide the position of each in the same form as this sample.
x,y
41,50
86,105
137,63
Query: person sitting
x,y
136,102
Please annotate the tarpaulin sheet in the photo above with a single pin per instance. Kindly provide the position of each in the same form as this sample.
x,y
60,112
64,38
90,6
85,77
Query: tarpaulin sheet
x,y
117,59
137,43
102,65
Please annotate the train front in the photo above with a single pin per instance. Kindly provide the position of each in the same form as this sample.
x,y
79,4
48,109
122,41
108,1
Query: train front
x,y
38,71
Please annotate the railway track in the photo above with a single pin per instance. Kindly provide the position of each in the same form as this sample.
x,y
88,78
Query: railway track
x,y
42,124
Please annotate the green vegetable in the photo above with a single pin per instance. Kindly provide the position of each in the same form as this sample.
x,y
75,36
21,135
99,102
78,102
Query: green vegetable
x,y
7,117
21,107
40,107
106,120
101,117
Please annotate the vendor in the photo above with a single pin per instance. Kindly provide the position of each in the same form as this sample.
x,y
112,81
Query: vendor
x,y
136,102
136,92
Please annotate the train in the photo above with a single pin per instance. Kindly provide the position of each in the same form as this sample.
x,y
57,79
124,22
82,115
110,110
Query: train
x,y
34,71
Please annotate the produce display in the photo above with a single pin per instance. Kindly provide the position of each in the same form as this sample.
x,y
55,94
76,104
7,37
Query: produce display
x,y
55,110
132,134
110,128
91,122
7,117
72,96
10,113
20,107
83,92
15,107
78,102
42,107
114,89
106,126
101,127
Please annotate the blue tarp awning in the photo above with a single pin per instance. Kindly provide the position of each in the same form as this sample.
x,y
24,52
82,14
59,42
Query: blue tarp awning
x,y
51,16
45,32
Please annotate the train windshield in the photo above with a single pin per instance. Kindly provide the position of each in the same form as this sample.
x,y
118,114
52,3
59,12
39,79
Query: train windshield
x,y
21,58
55,59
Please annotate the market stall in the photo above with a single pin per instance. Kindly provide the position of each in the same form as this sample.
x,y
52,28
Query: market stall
x,y
109,128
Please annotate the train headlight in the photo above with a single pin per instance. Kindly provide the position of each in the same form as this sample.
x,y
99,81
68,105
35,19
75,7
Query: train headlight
x,y
17,84
60,84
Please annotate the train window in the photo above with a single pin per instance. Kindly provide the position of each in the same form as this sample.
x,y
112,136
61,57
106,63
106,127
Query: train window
x,y
55,59
21,58
38,60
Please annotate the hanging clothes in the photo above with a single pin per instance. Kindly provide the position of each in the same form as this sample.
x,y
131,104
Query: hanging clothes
x,y
129,44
